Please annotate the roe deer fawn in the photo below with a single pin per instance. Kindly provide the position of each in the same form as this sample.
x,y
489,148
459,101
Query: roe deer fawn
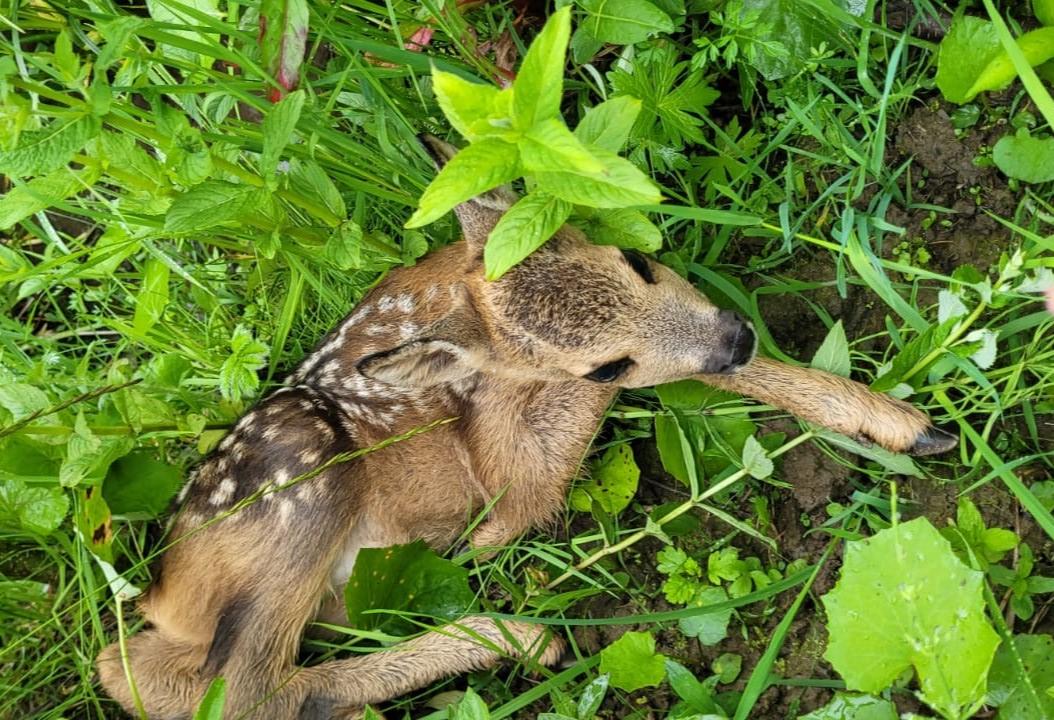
x,y
528,364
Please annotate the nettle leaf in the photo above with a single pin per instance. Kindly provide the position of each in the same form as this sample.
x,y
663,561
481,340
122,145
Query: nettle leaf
x,y
405,578
608,124
850,706
620,184
833,353
623,228
207,205
470,707
464,103
41,151
278,127
550,146
905,600
152,299
283,40
755,460
238,373
632,663
523,229
1037,47
985,353
33,509
539,85
624,22
971,43
1022,678
482,166
613,481
950,305
1024,157
712,627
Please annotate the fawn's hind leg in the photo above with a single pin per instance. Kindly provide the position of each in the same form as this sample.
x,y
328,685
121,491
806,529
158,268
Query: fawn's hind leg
x,y
837,403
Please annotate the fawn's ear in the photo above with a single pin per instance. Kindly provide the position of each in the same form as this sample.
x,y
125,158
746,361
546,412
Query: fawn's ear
x,y
479,215
448,350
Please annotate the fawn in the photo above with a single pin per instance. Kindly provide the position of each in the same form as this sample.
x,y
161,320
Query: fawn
x,y
528,365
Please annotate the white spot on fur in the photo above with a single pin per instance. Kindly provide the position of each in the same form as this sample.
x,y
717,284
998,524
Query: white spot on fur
x,y
431,293
375,330
272,433
405,303
386,303
223,492
285,510
407,330
323,428
184,491
238,451
310,458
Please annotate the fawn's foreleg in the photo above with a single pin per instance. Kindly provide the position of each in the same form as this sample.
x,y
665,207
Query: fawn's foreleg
x,y
837,403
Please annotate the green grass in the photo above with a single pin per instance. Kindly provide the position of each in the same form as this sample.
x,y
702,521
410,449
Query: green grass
x,y
127,348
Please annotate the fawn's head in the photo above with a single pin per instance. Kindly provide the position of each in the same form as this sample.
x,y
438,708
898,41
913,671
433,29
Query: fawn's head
x,y
571,309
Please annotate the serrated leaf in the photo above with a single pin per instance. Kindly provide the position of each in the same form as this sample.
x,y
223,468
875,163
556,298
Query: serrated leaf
x,y
905,600
34,509
985,355
406,578
152,298
463,102
755,460
41,151
207,205
620,184
950,305
608,124
238,372
624,22
470,707
540,82
550,146
623,228
833,353
1021,678
524,228
632,663
482,166
40,193
278,127
1024,157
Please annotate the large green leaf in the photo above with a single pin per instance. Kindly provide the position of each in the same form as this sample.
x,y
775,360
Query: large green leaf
x,y
35,509
624,22
207,205
278,127
1037,47
540,81
623,228
550,146
971,43
42,151
464,103
1021,683
613,481
632,663
905,600
1024,157
608,124
522,230
139,483
405,578
783,32
619,184
850,706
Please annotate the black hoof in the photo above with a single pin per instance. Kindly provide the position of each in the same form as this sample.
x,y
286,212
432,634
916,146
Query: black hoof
x,y
932,441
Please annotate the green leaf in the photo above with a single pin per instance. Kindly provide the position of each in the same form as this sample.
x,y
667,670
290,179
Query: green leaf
x,y
207,205
33,509
523,229
139,483
464,103
40,193
1037,47
850,706
1024,157
971,43
592,697
22,400
278,127
622,228
482,166
833,353
470,707
539,84
41,151
88,457
405,578
238,373
311,180
613,482
1044,11
1022,677
712,627
171,11
284,40
608,124
550,146
698,696
755,460
620,184
632,663
905,600
344,249
624,22
152,299
727,667
211,705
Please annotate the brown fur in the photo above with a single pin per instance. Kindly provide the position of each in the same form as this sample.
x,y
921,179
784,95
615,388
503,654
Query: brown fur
x,y
432,341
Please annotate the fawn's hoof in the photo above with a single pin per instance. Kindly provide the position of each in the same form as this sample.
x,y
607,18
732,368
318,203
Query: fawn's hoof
x,y
933,441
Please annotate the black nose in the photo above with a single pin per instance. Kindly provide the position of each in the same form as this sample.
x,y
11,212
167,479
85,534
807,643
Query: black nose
x,y
736,347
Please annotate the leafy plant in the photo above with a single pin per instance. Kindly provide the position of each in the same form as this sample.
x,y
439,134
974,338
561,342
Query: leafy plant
x,y
631,662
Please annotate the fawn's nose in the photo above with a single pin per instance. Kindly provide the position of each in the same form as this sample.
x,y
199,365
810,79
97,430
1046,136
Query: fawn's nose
x,y
735,348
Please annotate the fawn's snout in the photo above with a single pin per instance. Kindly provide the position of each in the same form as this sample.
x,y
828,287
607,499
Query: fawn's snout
x,y
736,347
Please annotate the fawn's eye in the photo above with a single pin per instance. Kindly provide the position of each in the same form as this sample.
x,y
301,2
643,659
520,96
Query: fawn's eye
x,y
610,372
640,265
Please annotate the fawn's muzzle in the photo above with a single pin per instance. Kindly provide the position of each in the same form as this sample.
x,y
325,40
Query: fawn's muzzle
x,y
736,347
